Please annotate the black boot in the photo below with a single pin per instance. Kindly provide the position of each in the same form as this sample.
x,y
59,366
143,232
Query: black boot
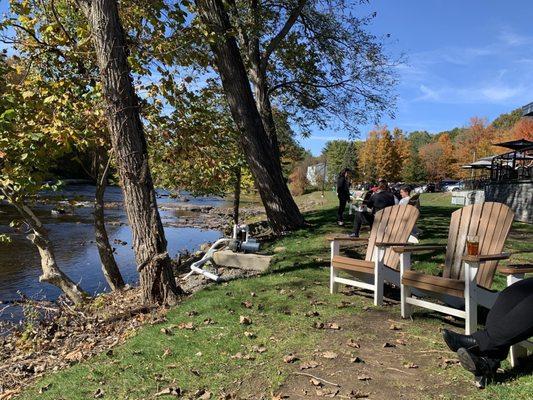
x,y
455,341
483,368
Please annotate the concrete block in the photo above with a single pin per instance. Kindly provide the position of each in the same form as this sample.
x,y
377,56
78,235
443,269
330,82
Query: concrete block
x,y
254,262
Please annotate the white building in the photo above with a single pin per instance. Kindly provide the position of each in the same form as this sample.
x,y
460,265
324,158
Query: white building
x,y
316,173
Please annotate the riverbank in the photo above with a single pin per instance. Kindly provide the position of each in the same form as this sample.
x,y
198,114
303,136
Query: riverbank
x,y
261,338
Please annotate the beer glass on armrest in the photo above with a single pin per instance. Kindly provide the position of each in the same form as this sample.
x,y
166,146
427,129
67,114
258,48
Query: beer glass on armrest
x,y
472,245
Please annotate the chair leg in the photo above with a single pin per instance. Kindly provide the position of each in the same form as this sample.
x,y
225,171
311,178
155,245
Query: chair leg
x,y
333,286
470,270
516,353
378,277
405,291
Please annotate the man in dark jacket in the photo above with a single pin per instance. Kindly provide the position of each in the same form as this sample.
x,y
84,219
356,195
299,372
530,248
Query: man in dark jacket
x,y
378,201
343,193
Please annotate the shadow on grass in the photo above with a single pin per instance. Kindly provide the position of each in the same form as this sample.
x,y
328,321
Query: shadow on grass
x,y
525,368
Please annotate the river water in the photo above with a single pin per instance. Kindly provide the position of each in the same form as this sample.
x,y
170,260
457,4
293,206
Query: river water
x,y
72,236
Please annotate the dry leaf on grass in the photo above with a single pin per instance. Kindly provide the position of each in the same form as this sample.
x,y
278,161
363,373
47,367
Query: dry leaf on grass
x,y
356,360
244,320
327,392
410,365
309,365
353,343
288,359
312,314
363,377
315,382
247,304
330,355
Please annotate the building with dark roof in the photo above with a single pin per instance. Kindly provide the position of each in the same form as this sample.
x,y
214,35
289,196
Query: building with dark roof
x,y
527,110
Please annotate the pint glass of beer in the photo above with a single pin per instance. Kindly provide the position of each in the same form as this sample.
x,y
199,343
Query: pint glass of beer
x,y
472,245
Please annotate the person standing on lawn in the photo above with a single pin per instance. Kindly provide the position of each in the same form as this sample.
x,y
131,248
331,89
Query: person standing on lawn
x,y
382,198
509,321
343,193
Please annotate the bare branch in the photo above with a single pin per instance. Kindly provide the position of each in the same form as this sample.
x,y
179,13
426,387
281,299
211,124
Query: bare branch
x,y
276,40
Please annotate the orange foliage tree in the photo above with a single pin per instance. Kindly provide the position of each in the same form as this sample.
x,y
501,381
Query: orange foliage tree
x,y
439,158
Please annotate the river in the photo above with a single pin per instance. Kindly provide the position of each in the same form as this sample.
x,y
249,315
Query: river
x,y
72,236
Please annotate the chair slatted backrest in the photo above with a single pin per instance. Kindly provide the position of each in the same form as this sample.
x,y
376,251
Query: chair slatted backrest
x,y
394,225
491,223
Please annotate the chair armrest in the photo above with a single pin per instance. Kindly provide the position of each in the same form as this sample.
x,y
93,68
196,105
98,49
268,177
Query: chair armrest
x,y
389,244
516,269
416,249
346,239
486,257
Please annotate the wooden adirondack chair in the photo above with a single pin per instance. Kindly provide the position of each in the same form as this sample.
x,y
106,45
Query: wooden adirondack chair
x,y
465,278
392,226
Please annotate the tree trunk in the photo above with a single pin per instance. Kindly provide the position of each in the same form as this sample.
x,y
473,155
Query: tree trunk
x,y
129,144
109,265
265,110
51,272
282,212
237,195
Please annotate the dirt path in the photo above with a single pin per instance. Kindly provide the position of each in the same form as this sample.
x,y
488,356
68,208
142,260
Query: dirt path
x,y
377,355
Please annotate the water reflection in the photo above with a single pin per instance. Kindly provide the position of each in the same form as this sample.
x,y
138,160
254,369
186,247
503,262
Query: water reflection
x,y
73,238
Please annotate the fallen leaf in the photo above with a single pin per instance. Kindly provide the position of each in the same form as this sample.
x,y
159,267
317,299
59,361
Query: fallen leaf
x,y
356,360
315,382
247,304
249,335
186,325
192,313
410,365
166,331
330,355
333,326
318,325
167,352
393,327
401,341
99,393
309,365
288,359
327,392
243,320
356,394
312,314
259,349
44,388
364,377
209,321
387,344
353,343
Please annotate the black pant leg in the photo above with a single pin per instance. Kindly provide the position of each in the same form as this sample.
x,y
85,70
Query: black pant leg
x,y
342,207
509,321
360,218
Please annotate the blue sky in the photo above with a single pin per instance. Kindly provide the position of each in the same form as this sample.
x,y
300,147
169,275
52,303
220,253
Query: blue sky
x,y
464,59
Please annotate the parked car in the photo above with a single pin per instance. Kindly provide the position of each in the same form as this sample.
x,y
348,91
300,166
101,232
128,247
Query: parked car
x,y
455,187
442,186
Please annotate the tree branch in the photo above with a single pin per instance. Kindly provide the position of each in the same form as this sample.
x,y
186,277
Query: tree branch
x,y
303,83
276,40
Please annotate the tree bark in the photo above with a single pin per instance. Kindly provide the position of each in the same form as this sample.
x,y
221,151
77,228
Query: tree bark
x,y
129,144
109,264
237,195
51,272
282,212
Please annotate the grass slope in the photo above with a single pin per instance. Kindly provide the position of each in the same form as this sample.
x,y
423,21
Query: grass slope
x,y
218,356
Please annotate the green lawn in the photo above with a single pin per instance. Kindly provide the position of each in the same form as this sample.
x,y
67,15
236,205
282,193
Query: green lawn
x,y
220,357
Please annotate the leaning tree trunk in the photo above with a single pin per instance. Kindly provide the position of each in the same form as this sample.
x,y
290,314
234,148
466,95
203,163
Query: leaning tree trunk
x,y
265,110
109,265
51,272
281,210
237,195
129,144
